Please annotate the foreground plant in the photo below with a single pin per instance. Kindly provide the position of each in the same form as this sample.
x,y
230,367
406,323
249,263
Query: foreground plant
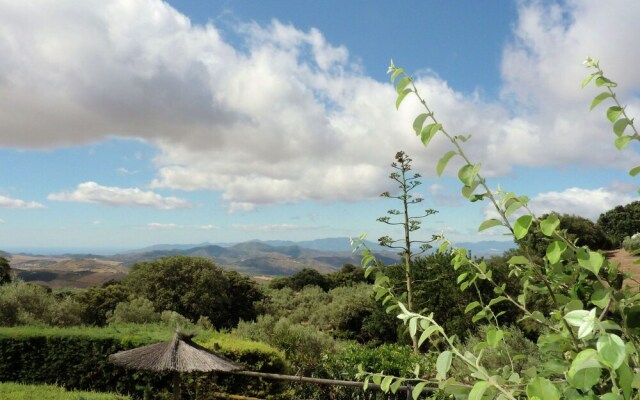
x,y
589,342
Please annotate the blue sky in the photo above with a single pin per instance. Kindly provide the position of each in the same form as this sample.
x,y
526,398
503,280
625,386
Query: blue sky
x,y
135,122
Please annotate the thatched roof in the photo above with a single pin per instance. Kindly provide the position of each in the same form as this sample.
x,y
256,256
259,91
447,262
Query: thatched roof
x,y
180,354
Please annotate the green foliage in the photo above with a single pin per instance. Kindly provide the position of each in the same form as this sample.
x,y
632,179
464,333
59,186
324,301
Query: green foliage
x,y
578,230
301,279
195,287
631,244
621,221
588,344
17,391
76,358
303,346
5,271
137,311
97,301
24,303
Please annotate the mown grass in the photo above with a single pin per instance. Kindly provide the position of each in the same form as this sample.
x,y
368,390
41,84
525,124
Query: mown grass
x,y
18,391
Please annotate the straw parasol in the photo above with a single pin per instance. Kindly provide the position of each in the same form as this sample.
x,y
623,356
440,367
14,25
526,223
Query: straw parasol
x,y
180,354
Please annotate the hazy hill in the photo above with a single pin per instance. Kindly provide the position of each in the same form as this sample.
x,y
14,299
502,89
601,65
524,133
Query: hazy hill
x,y
259,258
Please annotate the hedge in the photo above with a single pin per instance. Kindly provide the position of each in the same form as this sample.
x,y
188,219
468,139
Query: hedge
x,y
76,358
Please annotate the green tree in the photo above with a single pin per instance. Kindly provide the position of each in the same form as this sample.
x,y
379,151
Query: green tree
x,y
5,271
97,301
579,230
302,278
195,287
621,221
406,184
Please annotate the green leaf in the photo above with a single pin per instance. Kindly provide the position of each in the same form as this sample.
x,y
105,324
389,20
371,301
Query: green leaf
x,y
576,317
521,227
625,378
590,260
585,370
490,223
467,190
543,389
622,142
512,207
417,390
600,296
549,224
402,84
555,250
611,396
588,79
396,73
471,306
427,334
444,363
519,260
413,326
478,390
598,99
461,277
427,133
494,336
396,385
466,174
386,382
621,125
442,164
418,122
602,81
611,349
401,97
635,171
613,113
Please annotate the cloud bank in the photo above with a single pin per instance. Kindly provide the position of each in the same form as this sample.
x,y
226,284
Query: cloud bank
x,y
286,116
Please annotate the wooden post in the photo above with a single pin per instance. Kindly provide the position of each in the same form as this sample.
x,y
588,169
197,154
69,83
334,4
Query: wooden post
x,y
176,385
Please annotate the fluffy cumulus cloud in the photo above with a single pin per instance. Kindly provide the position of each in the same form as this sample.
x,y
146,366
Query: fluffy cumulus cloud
x,y
287,116
10,202
587,203
91,192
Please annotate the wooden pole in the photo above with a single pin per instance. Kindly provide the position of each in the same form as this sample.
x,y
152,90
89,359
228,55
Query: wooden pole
x,y
176,385
320,381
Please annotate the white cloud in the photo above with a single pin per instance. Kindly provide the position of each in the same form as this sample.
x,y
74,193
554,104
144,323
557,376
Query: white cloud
x,y
273,227
125,171
161,226
587,203
9,202
91,192
205,227
290,117
97,222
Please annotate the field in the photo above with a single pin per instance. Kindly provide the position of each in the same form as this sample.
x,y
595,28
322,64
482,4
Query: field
x,y
627,264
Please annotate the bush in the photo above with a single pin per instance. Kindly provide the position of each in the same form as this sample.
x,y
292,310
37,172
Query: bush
x,y
136,311
303,346
97,301
631,244
621,221
24,303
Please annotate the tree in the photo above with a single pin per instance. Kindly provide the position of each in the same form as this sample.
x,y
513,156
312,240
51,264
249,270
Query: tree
x,y
97,301
579,230
5,271
621,221
195,287
302,278
409,223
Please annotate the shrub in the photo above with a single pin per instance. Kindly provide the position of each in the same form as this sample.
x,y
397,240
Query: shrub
x,y
97,301
136,311
621,221
23,303
631,244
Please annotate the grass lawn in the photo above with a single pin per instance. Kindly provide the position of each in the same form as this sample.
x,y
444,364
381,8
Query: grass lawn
x,y
17,391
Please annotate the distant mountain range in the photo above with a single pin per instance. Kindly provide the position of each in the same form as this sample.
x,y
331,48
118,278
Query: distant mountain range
x,y
254,258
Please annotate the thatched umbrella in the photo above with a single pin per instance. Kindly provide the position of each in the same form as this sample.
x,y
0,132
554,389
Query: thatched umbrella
x,y
180,354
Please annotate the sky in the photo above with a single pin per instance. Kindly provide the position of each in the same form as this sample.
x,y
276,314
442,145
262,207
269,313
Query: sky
x,y
128,123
